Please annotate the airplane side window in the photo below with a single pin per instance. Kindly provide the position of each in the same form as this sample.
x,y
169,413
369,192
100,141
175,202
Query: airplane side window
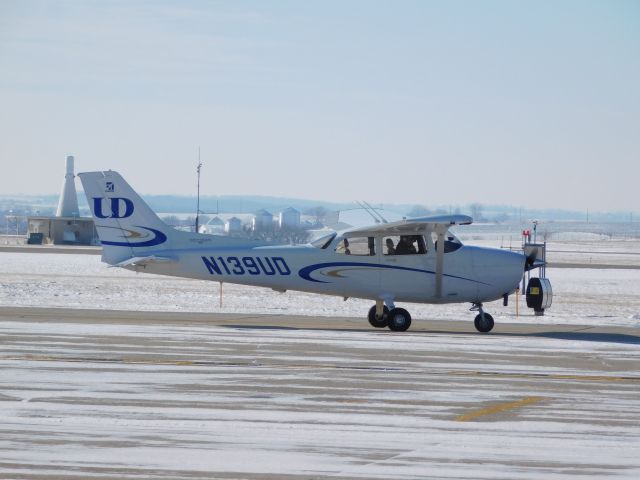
x,y
409,245
389,245
421,244
364,246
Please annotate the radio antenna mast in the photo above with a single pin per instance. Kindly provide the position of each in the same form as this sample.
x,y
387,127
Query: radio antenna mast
x,y
198,201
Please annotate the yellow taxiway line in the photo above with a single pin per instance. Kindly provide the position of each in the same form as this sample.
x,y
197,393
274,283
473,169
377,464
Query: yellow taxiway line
x,y
502,407
555,376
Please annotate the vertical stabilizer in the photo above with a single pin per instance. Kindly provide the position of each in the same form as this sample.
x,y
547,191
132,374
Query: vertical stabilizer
x,y
68,203
127,227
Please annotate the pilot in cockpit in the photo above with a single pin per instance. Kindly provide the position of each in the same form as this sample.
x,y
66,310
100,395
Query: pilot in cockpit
x,y
391,250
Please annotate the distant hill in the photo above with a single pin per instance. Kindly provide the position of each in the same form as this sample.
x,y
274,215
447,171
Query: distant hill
x,y
235,204
46,205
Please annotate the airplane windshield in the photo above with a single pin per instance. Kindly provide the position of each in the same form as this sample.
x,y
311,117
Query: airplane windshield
x,y
451,242
452,238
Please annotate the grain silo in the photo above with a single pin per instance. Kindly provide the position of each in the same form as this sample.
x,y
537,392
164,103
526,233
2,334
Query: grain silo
x,y
289,218
263,220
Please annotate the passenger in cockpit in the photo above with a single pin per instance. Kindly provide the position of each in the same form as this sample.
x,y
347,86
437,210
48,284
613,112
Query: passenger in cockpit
x,y
405,246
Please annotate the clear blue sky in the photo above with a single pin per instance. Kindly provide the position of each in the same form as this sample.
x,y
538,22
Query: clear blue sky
x,y
525,103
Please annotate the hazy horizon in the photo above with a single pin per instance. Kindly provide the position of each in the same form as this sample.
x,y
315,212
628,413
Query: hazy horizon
x,y
247,204
433,103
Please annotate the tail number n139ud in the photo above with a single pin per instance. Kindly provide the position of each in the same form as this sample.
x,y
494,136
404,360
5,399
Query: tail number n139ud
x,y
246,265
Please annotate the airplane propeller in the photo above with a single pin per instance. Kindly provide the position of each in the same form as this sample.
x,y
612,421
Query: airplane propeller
x,y
532,262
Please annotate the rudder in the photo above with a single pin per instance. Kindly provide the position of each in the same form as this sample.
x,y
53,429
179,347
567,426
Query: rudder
x,y
126,225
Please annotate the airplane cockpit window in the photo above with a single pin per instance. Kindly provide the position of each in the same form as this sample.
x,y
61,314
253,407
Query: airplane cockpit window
x,y
357,246
404,245
451,242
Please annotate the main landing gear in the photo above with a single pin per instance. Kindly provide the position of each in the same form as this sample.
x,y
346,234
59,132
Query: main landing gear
x,y
483,321
396,319
399,320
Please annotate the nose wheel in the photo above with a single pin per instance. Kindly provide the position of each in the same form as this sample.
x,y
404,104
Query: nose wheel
x,y
483,321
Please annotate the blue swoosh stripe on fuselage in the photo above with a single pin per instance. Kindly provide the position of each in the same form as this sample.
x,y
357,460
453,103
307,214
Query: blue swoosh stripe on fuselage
x,y
157,240
305,272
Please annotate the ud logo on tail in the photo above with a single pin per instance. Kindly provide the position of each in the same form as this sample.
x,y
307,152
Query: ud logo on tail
x,y
116,207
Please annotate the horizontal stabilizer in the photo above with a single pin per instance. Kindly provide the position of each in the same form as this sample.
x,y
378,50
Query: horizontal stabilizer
x,y
142,261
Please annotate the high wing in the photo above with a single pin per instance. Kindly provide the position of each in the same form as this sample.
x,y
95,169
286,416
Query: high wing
x,y
413,225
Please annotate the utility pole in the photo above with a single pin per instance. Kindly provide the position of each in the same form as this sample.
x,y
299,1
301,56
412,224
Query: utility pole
x,y
198,201
7,219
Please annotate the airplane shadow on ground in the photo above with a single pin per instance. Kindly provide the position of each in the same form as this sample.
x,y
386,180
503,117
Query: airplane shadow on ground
x,y
591,337
581,336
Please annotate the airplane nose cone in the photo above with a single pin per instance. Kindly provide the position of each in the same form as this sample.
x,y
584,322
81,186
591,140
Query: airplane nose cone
x,y
499,270
513,269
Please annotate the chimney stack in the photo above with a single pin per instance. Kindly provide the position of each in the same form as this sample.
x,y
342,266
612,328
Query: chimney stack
x,y
68,204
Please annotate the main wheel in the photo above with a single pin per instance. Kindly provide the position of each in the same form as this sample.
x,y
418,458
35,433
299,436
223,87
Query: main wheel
x,y
399,320
375,320
483,322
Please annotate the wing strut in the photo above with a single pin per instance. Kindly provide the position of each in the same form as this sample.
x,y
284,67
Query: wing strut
x,y
439,261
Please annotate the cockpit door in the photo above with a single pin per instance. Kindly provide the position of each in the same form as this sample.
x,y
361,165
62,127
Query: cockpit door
x,y
408,267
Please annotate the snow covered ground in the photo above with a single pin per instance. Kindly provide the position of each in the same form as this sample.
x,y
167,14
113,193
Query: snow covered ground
x,y
581,296
154,400
94,400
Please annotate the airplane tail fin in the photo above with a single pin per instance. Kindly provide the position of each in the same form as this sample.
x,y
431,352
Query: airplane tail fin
x,y
126,225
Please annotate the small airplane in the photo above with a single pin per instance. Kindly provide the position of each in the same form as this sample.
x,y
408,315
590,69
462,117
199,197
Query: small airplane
x,y
412,260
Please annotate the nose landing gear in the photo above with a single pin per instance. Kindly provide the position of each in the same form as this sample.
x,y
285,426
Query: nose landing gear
x,y
483,321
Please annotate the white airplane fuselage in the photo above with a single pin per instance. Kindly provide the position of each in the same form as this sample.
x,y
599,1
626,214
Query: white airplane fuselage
x,y
470,274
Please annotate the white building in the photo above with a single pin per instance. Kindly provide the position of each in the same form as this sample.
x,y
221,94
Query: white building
x,y
214,226
233,225
289,218
262,220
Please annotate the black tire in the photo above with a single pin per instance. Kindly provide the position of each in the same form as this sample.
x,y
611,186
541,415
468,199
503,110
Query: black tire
x,y
483,325
399,320
376,321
